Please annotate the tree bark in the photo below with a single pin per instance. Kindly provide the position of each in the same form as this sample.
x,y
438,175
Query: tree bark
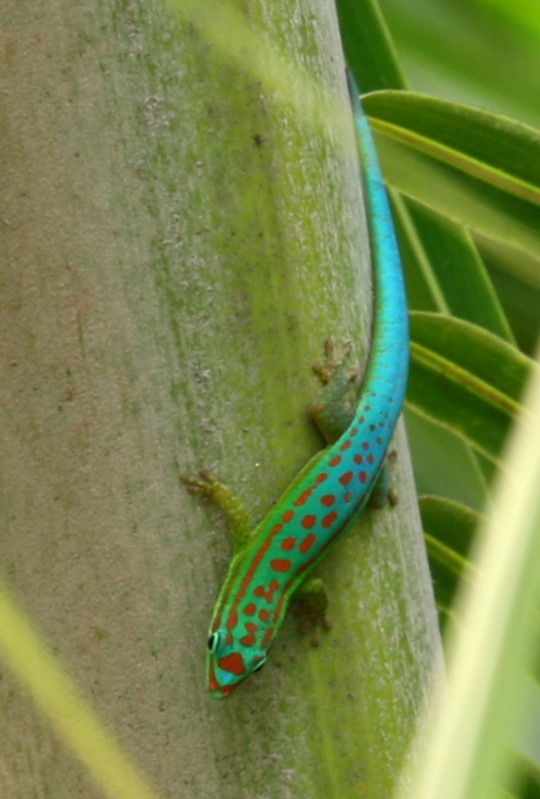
x,y
178,242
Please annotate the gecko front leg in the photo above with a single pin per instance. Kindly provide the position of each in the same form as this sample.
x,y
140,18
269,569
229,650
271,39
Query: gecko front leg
x,y
207,486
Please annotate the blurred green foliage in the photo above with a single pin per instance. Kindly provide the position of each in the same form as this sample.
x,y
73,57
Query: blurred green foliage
x,y
460,150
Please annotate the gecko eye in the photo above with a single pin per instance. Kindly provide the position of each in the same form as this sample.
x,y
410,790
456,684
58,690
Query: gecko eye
x,y
258,666
213,642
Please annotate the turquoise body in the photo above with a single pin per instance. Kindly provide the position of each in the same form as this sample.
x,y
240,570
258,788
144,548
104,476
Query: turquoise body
x,y
335,486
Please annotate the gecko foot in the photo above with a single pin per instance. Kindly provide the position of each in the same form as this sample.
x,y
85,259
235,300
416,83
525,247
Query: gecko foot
x,y
383,490
310,605
333,363
206,484
334,406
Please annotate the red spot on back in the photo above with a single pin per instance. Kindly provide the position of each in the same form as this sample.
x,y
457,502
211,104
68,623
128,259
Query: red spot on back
x,y
345,446
336,460
267,637
288,516
303,498
288,543
358,459
346,478
251,627
261,592
362,476
309,521
307,543
248,640
250,609
365,444
353,432
370,458
328,500
329,520
233,663
281,564
321,478
277,528
232,621
264,615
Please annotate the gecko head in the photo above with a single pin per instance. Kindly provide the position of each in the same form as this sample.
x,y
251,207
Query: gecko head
x,y
230,662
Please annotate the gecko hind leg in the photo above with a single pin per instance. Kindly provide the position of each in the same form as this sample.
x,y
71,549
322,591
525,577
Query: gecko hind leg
x,y
334,406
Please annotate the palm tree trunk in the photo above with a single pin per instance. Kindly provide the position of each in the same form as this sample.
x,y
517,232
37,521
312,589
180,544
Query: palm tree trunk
x,y
178,243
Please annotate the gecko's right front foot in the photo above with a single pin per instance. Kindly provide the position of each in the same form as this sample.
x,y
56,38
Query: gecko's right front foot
x,y
206,484
211,489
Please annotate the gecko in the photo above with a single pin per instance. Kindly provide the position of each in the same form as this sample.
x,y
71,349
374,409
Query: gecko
x,y
271,564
